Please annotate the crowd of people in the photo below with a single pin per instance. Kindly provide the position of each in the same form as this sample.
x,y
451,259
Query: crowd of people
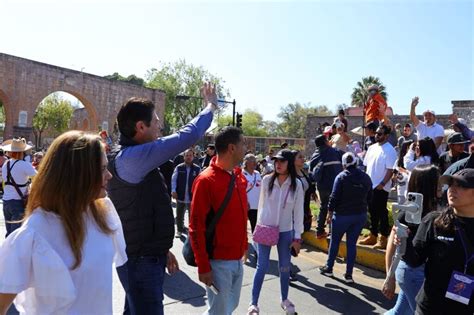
x,y
93,205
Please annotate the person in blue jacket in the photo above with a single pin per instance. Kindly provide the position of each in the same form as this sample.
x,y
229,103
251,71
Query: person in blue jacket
x,y
325,165
348,206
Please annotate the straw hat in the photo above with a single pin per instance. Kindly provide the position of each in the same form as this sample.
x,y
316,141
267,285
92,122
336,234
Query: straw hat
x,y
16,145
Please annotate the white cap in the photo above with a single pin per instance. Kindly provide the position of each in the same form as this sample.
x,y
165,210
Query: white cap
x,y
349,156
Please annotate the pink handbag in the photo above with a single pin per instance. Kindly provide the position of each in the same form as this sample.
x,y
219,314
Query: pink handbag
x,y
266,234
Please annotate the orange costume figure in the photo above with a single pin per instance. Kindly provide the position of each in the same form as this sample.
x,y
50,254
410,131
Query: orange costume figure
x,y
376,106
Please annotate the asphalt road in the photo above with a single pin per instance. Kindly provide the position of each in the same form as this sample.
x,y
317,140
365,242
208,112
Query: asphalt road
x,y
312,293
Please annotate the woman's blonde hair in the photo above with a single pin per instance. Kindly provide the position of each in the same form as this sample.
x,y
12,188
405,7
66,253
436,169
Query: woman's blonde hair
x,y
68,183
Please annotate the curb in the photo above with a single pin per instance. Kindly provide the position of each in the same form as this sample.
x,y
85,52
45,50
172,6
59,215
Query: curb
x,y
366,256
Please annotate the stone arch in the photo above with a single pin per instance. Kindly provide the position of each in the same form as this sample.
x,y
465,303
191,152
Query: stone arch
x,y
91,110
6,108
85,124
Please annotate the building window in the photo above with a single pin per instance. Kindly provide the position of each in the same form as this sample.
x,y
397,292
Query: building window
x,y
260,146
22,118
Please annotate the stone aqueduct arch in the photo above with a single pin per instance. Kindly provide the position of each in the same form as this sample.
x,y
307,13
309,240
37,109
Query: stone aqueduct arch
x,y
25,83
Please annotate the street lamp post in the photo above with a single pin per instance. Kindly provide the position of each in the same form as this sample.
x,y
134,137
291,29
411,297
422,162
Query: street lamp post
x,y
187,97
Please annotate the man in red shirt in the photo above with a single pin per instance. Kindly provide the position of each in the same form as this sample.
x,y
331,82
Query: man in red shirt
x,y
222,270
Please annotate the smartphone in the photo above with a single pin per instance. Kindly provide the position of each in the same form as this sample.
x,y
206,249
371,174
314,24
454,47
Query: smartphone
x,y
213,289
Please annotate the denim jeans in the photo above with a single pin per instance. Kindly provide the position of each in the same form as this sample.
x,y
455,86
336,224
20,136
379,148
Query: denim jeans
x,y
13,210
323,211
263,261
181,208
351,225
227,276
379,213
410,281
142,279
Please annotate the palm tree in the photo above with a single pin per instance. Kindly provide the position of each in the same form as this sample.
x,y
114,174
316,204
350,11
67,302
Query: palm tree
x,y
360,94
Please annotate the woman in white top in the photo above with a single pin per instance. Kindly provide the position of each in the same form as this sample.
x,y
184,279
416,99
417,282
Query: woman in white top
x,y
254,183
60,260
15,174
423,152
280,204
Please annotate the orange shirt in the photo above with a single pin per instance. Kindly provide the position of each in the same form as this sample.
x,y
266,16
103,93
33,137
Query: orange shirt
x,y
375,108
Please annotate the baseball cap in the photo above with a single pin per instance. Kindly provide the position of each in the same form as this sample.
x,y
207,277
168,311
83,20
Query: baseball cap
x,y
432,112
465,178
284,155
349,159
371,125
211,146
327,129
457,138
320,140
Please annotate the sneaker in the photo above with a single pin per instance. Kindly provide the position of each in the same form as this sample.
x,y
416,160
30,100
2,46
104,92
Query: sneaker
x,y
178,234
348,278
381,243
253,310
325,271
288,307
320,235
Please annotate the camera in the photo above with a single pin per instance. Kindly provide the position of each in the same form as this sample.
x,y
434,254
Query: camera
x,y
413,208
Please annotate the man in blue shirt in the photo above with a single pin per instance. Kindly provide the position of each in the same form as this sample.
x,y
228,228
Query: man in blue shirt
x,y
181,184
141,197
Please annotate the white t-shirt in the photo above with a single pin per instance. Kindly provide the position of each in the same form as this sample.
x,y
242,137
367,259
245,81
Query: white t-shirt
x,y
20,172
36,261
379,159
254,183
433,131
283,207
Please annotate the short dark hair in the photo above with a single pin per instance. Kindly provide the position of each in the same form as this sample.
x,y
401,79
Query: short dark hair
x,y
341,112
227,135
386,129
134,110
407,126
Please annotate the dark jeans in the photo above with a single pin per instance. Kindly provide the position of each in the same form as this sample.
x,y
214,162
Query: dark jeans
x,y
379,213
142,279
13,210
323,211
181,208
351,225
252,218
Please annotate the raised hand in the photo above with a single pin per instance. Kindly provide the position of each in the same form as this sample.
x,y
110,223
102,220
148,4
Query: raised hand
x,y
415,101
209,94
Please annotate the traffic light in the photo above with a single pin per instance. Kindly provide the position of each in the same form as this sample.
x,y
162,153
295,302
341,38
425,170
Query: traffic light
x,y
239,120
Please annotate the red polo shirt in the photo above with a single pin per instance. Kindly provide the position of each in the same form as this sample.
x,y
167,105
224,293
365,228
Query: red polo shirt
x,y
230,240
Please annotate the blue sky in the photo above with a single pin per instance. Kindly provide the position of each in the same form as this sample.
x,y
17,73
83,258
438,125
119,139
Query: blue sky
x,y
269,53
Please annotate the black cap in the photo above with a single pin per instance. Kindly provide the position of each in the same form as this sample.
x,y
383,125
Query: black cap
x,y
285,155
465,178
457,138
372,126
320,140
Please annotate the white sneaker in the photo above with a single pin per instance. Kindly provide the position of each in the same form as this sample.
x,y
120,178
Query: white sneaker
x,y
288,307
253,310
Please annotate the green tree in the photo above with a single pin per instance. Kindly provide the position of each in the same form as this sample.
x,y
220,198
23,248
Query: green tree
x,y
53,114
294,116
224,120
252,124
360,94
181,78
133,79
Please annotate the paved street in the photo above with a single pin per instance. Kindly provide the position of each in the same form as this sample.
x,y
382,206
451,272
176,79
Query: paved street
x,y
312,294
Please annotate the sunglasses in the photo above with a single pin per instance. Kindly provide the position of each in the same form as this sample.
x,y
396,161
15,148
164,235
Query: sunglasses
x,y
380,133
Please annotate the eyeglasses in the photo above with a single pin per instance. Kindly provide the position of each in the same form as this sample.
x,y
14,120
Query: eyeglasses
x,y
380,133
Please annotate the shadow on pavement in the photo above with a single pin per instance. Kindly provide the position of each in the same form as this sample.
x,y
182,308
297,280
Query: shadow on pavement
x,y
340,300
183,289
